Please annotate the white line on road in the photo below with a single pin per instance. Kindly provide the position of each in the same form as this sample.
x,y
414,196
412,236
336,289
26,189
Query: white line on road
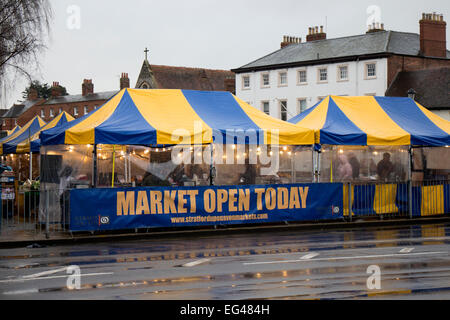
x,y
309,256
406,250
34,290
352,257
55,277
196,262
44,273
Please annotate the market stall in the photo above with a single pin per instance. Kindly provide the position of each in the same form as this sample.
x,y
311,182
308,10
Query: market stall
x,y
170,139
375,139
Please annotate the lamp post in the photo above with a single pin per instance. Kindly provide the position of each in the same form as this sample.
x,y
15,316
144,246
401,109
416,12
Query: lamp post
x,y
411,93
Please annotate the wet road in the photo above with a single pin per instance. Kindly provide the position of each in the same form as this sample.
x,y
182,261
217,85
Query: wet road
x,y
413,263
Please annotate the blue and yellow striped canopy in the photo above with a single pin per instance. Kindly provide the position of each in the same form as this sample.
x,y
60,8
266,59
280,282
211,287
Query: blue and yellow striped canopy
x,y
370,120
28,130
170,116
12,131
22,144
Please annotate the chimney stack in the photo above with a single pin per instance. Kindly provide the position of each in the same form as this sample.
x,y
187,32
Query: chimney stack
x,y
87,87
314,34
32,94
433,42
55,89
375,27
124,81
287,40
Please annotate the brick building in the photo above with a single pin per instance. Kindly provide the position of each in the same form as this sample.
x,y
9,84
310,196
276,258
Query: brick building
x,y
151,76
299,74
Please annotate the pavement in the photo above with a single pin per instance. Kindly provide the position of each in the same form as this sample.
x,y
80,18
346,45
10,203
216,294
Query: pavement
x,y
371,262
16,236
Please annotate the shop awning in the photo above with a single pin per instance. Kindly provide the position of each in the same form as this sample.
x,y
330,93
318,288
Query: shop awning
x,y
23,146
28,130
368,120
169,116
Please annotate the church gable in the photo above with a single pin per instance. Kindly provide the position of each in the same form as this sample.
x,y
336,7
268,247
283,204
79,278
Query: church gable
x,y
146,79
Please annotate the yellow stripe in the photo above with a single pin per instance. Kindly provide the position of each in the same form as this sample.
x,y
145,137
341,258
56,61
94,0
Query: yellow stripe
x,y
384,200
367,115
24,146
316,119
8,132
168,111
346,205
432,200
24,128
443,124
289,134
84,132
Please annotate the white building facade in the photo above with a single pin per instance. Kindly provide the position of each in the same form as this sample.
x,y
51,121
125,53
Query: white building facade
x,y
283,93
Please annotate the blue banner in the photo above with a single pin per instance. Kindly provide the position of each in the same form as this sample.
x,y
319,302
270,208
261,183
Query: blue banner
x,y
148,207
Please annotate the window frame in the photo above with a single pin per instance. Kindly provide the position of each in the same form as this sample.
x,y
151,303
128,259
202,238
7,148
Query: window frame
x,y
298,77
318,75
279,78
366,70
243,82
262,80
299,109
262,106
339,78
280,102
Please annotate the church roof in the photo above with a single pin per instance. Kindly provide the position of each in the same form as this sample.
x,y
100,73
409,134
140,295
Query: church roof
x,y
170,77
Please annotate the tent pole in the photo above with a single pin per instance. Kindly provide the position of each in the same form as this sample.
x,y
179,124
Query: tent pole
x,y
94,167
313,164
31,164
211,166
410,202
113,166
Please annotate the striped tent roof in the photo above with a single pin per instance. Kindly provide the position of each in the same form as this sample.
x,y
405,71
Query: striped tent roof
x,y
13,130
171,116
22,144
374,121
29,129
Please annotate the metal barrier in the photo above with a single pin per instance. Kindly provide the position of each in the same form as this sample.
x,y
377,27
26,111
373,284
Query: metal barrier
x,y
420,198
34,213
45,213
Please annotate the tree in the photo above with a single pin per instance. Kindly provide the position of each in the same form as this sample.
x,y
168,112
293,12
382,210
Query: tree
x,y
43,90
23,27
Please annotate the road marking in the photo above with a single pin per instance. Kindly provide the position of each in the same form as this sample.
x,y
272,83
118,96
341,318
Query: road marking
x,y
196,262
44,273
21,291
309,256
406,250
352,257
22,279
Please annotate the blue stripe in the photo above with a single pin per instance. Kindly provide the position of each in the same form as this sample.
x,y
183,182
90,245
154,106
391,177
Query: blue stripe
x,y
339,130
57,135
220,111
302,115
410,118
125,126
10,146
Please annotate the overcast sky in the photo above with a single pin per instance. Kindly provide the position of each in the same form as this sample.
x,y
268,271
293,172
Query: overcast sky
x,y
99,39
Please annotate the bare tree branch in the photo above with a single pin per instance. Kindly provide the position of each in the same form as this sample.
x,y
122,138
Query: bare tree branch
x,y
23,27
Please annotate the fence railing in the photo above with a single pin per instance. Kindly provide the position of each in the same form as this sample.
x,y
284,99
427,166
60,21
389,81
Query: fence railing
x,y
419,198
46,212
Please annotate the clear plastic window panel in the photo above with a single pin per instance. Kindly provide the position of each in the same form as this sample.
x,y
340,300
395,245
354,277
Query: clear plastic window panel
x,y
364,163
